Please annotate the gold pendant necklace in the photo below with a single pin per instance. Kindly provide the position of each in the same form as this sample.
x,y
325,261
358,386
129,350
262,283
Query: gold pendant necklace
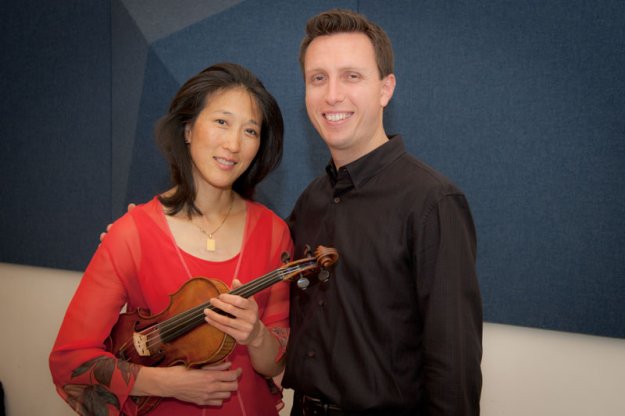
x,y
211,244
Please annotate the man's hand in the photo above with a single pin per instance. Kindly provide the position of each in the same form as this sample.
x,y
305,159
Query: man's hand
x,y
108,227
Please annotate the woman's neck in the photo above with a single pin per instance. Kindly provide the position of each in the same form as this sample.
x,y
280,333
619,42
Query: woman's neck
x,y
215,203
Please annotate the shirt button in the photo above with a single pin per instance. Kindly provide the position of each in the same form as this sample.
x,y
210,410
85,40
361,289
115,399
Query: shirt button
x,y
337,200
321,302
311,354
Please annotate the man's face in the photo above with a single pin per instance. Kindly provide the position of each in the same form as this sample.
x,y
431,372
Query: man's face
x,y
345,96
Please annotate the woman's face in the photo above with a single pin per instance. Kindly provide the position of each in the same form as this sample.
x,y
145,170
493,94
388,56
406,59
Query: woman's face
x,y
224,138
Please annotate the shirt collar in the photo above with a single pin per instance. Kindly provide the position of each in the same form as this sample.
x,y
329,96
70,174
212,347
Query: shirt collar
x,y
360,170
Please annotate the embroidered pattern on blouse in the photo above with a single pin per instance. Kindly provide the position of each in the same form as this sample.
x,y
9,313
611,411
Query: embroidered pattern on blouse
x,y
282,335
94,399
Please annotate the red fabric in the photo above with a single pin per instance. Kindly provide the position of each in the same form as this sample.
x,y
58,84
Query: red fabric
x,y
139,265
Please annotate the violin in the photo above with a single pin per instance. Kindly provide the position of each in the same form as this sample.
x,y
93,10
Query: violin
x,y
180,336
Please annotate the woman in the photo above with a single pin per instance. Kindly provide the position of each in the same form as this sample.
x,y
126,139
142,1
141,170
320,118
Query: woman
x,y
222,135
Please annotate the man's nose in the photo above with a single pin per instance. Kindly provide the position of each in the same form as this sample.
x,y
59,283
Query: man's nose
x,y
334,92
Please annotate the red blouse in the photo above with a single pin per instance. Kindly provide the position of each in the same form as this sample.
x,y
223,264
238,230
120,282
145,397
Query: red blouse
x,y
139,265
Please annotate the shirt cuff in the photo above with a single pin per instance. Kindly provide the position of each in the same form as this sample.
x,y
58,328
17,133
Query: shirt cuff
x,y
282,335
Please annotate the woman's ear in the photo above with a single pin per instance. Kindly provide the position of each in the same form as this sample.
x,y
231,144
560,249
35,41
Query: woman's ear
x,y
187,134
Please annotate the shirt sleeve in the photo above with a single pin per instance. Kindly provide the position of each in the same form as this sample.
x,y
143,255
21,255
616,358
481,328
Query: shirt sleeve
x,y
87,376
276,314
451,308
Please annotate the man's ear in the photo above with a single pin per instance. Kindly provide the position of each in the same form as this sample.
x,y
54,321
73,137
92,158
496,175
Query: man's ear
x,y
388,87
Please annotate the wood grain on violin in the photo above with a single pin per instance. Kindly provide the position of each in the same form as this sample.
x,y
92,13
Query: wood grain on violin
x,y
180,336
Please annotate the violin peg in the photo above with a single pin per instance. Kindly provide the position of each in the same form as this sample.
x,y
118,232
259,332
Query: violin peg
x,y
307,251
285,257
303,283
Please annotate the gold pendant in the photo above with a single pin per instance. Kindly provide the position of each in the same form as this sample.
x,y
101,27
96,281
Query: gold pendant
x,y
210,244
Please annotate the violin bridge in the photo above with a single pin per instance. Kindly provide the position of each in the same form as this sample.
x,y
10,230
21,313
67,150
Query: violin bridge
x,y
141,344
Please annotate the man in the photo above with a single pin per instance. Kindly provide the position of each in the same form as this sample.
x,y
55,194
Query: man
x,y
397,328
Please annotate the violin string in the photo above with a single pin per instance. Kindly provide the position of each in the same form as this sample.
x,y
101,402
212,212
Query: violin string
x,y
197,314
156,333
260,284
245,290
170,327
178,325
129,354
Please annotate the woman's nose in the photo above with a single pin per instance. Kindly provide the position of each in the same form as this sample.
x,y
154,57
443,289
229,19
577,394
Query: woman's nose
x,y
232,141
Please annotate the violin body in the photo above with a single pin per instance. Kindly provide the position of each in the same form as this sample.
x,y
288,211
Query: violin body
x,y
179,335
184,350
216,345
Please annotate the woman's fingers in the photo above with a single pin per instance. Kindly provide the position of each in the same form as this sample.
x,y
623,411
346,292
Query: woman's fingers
x,y
241,321
209,385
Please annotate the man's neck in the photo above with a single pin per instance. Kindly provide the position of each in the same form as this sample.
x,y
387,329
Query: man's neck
x,y
342,157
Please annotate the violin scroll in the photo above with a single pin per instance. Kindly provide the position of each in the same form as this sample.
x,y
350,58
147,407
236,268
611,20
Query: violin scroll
x,y
326,256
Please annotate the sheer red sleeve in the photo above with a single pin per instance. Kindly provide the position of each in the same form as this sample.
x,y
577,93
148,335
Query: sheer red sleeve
x,y
276,314
89,378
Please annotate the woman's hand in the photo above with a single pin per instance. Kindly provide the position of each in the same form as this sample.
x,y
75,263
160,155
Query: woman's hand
x,y
243,325
207,386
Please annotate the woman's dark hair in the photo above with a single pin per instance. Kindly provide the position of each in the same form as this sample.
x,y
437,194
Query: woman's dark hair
x,y
184,109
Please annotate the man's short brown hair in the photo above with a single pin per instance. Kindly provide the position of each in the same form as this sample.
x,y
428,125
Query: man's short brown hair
x,y
347,21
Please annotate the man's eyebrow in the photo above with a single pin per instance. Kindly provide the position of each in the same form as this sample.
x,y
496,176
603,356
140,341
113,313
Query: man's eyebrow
x,y
340,69
313,70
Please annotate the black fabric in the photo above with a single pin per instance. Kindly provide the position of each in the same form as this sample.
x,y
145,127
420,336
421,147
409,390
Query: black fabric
x,y
398,324
2,411
309,406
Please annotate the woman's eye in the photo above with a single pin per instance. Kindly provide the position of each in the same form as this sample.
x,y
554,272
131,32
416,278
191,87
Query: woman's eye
x,y
221,121
252,132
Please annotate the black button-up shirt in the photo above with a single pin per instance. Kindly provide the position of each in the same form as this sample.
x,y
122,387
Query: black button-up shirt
x,y
398,325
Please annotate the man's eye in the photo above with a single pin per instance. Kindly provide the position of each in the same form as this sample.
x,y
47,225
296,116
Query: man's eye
x,y
221,121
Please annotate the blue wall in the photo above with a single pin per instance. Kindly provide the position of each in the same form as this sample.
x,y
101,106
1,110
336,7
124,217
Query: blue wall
x,y
55,130
520,103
